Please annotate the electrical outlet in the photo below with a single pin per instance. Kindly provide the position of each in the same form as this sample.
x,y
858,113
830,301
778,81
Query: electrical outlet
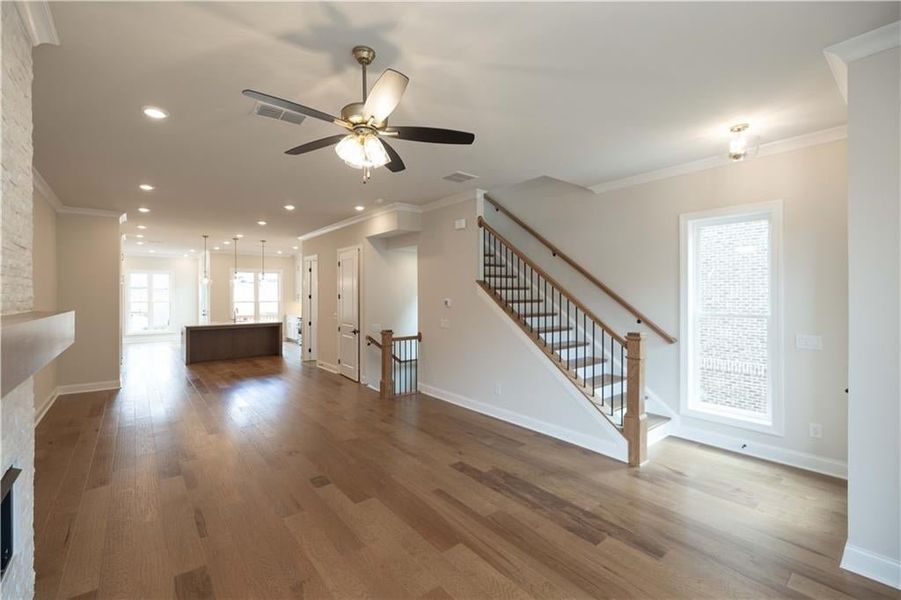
x,y
445,324
816,430
808,342
497,389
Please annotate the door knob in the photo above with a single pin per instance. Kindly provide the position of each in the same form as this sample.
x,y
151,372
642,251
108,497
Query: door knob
x,y
355,331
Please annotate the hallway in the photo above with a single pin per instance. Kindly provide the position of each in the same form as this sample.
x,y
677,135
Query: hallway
x,y
262,478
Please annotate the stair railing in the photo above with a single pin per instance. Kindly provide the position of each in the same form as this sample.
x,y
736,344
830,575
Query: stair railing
x,y
556,252
399,363
605,366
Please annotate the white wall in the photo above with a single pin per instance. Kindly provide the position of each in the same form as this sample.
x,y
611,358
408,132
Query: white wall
x,y
88,262
45,290
629,238
482,348
183,302
874,487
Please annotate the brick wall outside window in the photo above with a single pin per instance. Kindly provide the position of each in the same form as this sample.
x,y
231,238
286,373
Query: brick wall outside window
x,y
733,304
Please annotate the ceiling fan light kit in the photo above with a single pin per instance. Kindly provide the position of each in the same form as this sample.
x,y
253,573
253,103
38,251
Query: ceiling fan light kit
x,y
364,145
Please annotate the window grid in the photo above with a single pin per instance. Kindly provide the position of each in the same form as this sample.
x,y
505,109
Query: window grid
x,y
256,296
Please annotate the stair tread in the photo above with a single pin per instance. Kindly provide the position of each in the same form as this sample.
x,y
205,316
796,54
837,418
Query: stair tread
x,y
586,361
567,345
655,421
534,315
602,380
551,328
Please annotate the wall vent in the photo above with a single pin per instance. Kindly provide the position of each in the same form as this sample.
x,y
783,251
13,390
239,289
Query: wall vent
x,y
459,177
273,112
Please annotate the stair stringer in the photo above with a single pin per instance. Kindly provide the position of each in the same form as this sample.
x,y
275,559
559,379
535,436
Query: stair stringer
x,y
617,446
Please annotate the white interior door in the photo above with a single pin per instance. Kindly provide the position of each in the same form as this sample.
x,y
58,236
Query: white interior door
x,y
349,313
310,291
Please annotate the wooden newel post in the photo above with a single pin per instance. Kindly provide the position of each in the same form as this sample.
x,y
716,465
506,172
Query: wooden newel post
x,y
386,385
635,423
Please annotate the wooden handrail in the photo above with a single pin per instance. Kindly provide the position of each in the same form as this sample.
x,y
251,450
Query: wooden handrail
x,y
519,253
597,282
372,340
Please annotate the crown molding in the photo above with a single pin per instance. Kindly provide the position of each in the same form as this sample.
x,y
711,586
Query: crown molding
x,y
779,146
866,44
393,207
38,22
43,188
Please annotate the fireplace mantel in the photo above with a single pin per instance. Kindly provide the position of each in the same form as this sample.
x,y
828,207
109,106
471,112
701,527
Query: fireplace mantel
x,y
29,341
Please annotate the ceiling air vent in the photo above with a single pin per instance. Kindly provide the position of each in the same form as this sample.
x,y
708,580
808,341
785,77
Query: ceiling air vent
x,y
459,177
272,112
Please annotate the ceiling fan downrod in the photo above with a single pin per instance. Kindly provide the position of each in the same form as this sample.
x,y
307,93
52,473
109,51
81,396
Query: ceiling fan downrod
x,y
364,55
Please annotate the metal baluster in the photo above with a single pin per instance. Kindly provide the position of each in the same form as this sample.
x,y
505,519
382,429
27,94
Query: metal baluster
x,y
622,382
593,364
612,389
566,324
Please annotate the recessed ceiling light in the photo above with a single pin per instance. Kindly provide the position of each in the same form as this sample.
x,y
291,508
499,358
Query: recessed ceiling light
x,y
226,242
140,235
279,252
261,222
155,112
192,250
152,251
142,227
143,209
215,247
293,247
359,208
289,207
239,235
146,187
299,237
140,243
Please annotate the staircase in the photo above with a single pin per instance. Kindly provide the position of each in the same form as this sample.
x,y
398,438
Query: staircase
x,y
607,368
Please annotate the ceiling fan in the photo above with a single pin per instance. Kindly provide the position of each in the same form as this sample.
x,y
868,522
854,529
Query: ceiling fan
x,y
364,145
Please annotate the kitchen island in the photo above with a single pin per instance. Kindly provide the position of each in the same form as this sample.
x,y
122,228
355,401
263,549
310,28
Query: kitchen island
x,y
223,341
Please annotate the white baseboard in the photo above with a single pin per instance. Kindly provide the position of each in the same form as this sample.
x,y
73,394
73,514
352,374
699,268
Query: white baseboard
x,y
792,458
92,386
555,431
48,404
872,565
327,367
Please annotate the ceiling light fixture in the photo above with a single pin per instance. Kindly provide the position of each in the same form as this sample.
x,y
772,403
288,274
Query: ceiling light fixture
x,y
146,187
142,227
143,209
359,208
262,259
226,242
139,235
294,247
289,207
362,151
261,222
238,236
140,243
215,247
154,112
741,143
278,252
152,251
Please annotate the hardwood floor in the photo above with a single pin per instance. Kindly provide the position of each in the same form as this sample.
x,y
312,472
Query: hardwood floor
x,y
262,478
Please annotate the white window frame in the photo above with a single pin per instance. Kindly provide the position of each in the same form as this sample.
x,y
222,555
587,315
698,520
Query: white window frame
x,y
150,273
775,422
256,292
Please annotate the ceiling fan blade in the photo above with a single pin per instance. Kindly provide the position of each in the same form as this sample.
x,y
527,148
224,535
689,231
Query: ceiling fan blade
x,y
385,95
294,107
396,164
432,135
316,145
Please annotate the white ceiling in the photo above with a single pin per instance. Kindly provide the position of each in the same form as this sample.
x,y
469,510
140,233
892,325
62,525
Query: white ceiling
x,y
581,92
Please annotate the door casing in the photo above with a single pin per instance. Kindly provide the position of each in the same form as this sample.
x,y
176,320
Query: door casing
x,y
310,305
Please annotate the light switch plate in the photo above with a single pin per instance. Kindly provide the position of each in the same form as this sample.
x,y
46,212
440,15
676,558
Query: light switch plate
x,y
808,342
445,324
816,430
460,224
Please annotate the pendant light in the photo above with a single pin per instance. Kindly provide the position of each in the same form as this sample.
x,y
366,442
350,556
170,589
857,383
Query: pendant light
x,y
235,271
262,259
206,276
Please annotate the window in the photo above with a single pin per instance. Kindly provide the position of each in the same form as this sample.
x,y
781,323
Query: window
x,y
731,352
255,296
148,302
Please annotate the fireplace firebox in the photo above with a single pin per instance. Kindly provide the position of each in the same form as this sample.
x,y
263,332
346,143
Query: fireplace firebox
x,y
7,533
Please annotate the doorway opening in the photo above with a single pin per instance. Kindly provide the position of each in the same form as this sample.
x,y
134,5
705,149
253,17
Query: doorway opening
x,y
310,308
